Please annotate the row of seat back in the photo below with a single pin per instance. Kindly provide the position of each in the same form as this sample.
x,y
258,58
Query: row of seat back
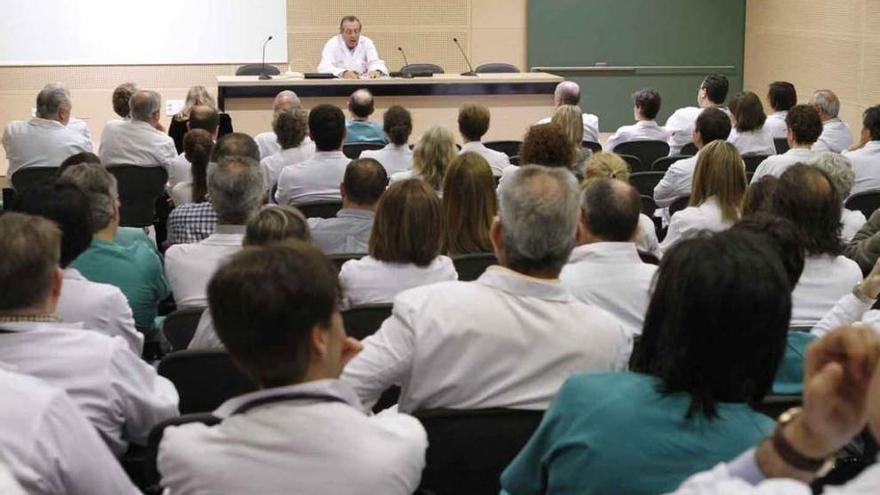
x,y
867,202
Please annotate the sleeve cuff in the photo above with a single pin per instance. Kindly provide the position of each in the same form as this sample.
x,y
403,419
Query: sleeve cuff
x,y
745,467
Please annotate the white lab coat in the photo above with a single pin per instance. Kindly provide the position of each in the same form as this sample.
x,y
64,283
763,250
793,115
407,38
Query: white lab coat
x,y
41,143
824,281
693,219
676,182
316,179
835,136
370,281
134,142
776,125
336,58
274,164
643,130
777,164
498,161
189,267
393,157
866,165
757,142
591,126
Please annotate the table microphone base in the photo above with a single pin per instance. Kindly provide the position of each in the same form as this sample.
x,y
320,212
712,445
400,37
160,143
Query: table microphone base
x,y
264,77
468,73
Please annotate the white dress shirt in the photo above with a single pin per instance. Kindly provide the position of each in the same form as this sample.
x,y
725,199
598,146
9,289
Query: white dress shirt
x,y
134,142
179,170
591,126
677,182
852,221
8,484
498,161
370,281
41,143
312,438
680,126
393,157
316,179
337,58
268,144
824,281
189,267
206,335
757,142
848,309
504,340
777,164
643,130
611,276
646,239
776,125
348,232
182,193
119,393
99,307
835,136
866,165
49,445
274,164
693,219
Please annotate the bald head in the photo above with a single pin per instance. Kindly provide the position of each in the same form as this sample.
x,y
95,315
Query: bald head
x,y
610,211
286,100
145,106
236,144
805,195
360,104
205,118
567,93
826,103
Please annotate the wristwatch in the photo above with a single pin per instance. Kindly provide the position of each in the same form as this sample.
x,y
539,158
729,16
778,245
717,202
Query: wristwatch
x,y
789,454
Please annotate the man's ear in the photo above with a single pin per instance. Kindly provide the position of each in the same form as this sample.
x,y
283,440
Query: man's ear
x,y
57,283
342,190
583,232
496,235
318,339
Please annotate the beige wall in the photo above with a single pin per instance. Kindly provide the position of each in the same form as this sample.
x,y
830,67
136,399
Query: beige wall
x,y
816,44
490,30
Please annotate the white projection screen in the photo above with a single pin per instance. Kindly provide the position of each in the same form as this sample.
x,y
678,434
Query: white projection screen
x,y
141,32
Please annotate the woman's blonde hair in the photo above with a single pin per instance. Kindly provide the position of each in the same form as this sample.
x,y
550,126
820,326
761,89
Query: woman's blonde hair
x,y
606,165
469,205
197,95
570,119
275,224
433,153
720,173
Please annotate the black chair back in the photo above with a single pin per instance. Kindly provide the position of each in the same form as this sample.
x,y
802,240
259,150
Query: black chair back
x,y
204,378
340,259
774,405
866,202
151,466
24,178
468,450
679,204
649,258
509,148
647,151
689,149
362,321
648,205
422,68
138,189
8,196
645,182
320,209
592,146
256,70
662,164
180,326
781,145
635,164
514,160
752,161
353,150
496,68
471,266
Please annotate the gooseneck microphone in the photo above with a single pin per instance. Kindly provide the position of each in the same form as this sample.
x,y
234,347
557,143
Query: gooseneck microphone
x,y
263,75
405,61
463,54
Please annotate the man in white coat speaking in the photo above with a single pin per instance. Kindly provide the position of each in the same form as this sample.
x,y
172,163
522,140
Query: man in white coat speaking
x,y
349,55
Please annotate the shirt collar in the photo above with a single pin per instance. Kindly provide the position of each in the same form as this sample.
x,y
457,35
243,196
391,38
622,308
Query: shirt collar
x,y
319,390
46,122
226,235
473,146
646,123
71,273
355,213
518,284
29,323
874,145
329,155
803,152
606,252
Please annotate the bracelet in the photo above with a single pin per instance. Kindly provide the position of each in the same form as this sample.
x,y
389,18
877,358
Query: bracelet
x,y
787,452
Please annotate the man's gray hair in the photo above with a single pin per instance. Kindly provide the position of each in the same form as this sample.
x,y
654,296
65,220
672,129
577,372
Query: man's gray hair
x,y
539,213
567,93
839,170
286,100
51,100
235,189
144,104
826,101
101,188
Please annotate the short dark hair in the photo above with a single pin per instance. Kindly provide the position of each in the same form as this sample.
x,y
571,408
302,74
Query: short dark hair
x,y
81,157
235,144
265,301
748,111
473,121
611,209
408,224
290,127
350,18
204,117
871,122
29,251
713,124
397,124
782,236
362,107
67,206
806,196
781,95
759,195
121,96
547,145
327,127
648,102
717,323
365,180
805,123
716,87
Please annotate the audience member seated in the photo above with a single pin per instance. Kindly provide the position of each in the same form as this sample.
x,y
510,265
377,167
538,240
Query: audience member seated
x,y
99,307
431,156
866,159
268,141
807,196
570,120
605,268
750,134
606,165
200,117
404,247
396,155
782,96
197,96
680,125
291,127
140,140
759,196
864,248
318,178
855,306
276,313
836,136
120,99
45,140
44,436
235,186
508,339
714,335
469,206
359,129
547,145
716,197
473,123
120,394
569,93
804,127
712,124
349,231
134,267
646,106
839,170
197,148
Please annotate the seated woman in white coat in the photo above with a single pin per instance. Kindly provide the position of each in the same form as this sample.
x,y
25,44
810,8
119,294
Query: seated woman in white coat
x,y
431,156
404,249
749,134
716,195
843,178
396,155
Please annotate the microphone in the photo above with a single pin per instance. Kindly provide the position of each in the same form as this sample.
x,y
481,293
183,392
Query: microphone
x,y
405,61
263,75
463,54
